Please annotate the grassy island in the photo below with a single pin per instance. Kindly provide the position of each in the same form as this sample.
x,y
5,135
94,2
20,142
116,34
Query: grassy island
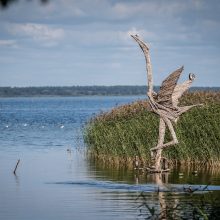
x,y
129,130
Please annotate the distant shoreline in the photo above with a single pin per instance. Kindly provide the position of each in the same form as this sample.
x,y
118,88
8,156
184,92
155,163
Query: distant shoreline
x,y
77,91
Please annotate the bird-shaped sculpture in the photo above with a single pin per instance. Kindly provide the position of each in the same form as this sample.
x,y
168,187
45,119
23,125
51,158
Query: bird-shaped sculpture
x,y
165,104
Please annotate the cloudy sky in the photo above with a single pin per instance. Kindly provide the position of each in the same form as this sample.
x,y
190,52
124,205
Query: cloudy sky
x,y
87,42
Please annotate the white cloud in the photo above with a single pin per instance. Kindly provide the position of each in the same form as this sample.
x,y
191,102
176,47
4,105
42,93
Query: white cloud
x,y
38,32
71,7
142,32
149,8
8,43
98,33
210,24
106,38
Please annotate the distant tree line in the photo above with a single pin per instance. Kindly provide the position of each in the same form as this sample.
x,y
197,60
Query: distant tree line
x,y
80,91
71,91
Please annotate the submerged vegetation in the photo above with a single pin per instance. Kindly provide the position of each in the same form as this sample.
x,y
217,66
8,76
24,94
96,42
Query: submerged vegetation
x,y
131,130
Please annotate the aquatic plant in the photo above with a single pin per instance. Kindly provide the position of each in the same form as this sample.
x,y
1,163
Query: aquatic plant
x,y
131,129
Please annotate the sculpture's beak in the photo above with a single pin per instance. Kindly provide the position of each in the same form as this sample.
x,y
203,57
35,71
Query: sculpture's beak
x,y
136,37
139,41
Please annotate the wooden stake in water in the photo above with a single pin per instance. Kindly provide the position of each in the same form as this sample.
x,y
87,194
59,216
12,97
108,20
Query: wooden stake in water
x,y
16,166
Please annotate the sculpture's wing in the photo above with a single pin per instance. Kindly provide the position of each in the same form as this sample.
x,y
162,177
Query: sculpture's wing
x,y
179,90
164,96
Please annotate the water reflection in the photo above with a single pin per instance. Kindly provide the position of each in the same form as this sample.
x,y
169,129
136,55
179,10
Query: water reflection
x,y
170,197
77,188
17,180
179,175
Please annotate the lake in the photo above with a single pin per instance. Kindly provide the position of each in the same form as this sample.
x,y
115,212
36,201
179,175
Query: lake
x,y
56,180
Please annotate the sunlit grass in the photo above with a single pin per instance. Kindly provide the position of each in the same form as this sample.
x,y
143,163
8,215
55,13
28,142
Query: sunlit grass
x,y
132,129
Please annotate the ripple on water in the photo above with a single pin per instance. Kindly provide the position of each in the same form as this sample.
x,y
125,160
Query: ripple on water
x,y
142,187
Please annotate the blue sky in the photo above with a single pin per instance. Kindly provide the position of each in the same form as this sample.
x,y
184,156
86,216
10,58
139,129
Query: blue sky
x,y
87,42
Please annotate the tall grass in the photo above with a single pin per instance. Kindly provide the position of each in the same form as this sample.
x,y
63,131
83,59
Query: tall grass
x,y
132,129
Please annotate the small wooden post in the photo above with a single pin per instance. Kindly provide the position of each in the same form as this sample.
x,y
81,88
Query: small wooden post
x,y
16,166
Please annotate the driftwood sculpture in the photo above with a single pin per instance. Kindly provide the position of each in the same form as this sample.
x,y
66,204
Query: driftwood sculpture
x,y
165,104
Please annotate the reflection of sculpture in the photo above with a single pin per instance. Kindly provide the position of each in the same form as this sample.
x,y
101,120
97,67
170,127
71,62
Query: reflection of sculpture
x,y
165,104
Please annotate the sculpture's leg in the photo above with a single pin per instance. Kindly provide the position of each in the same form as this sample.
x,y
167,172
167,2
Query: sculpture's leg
x,y
156,156
160,146
173,134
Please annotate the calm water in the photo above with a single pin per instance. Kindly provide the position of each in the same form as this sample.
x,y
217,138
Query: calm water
x,y
53,183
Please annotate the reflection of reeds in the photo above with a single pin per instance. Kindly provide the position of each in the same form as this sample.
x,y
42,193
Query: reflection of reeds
x,y
188,206
132,129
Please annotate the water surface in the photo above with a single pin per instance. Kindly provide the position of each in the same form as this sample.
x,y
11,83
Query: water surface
x,y
55,180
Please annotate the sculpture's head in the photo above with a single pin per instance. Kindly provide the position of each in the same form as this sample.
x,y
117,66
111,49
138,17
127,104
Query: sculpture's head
x,y
192,76
140,42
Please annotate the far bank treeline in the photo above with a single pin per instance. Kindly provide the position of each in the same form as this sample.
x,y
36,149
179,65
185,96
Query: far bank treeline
x,y
80,91
131,130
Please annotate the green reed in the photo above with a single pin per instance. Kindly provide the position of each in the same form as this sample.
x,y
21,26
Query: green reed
x,y
132,129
